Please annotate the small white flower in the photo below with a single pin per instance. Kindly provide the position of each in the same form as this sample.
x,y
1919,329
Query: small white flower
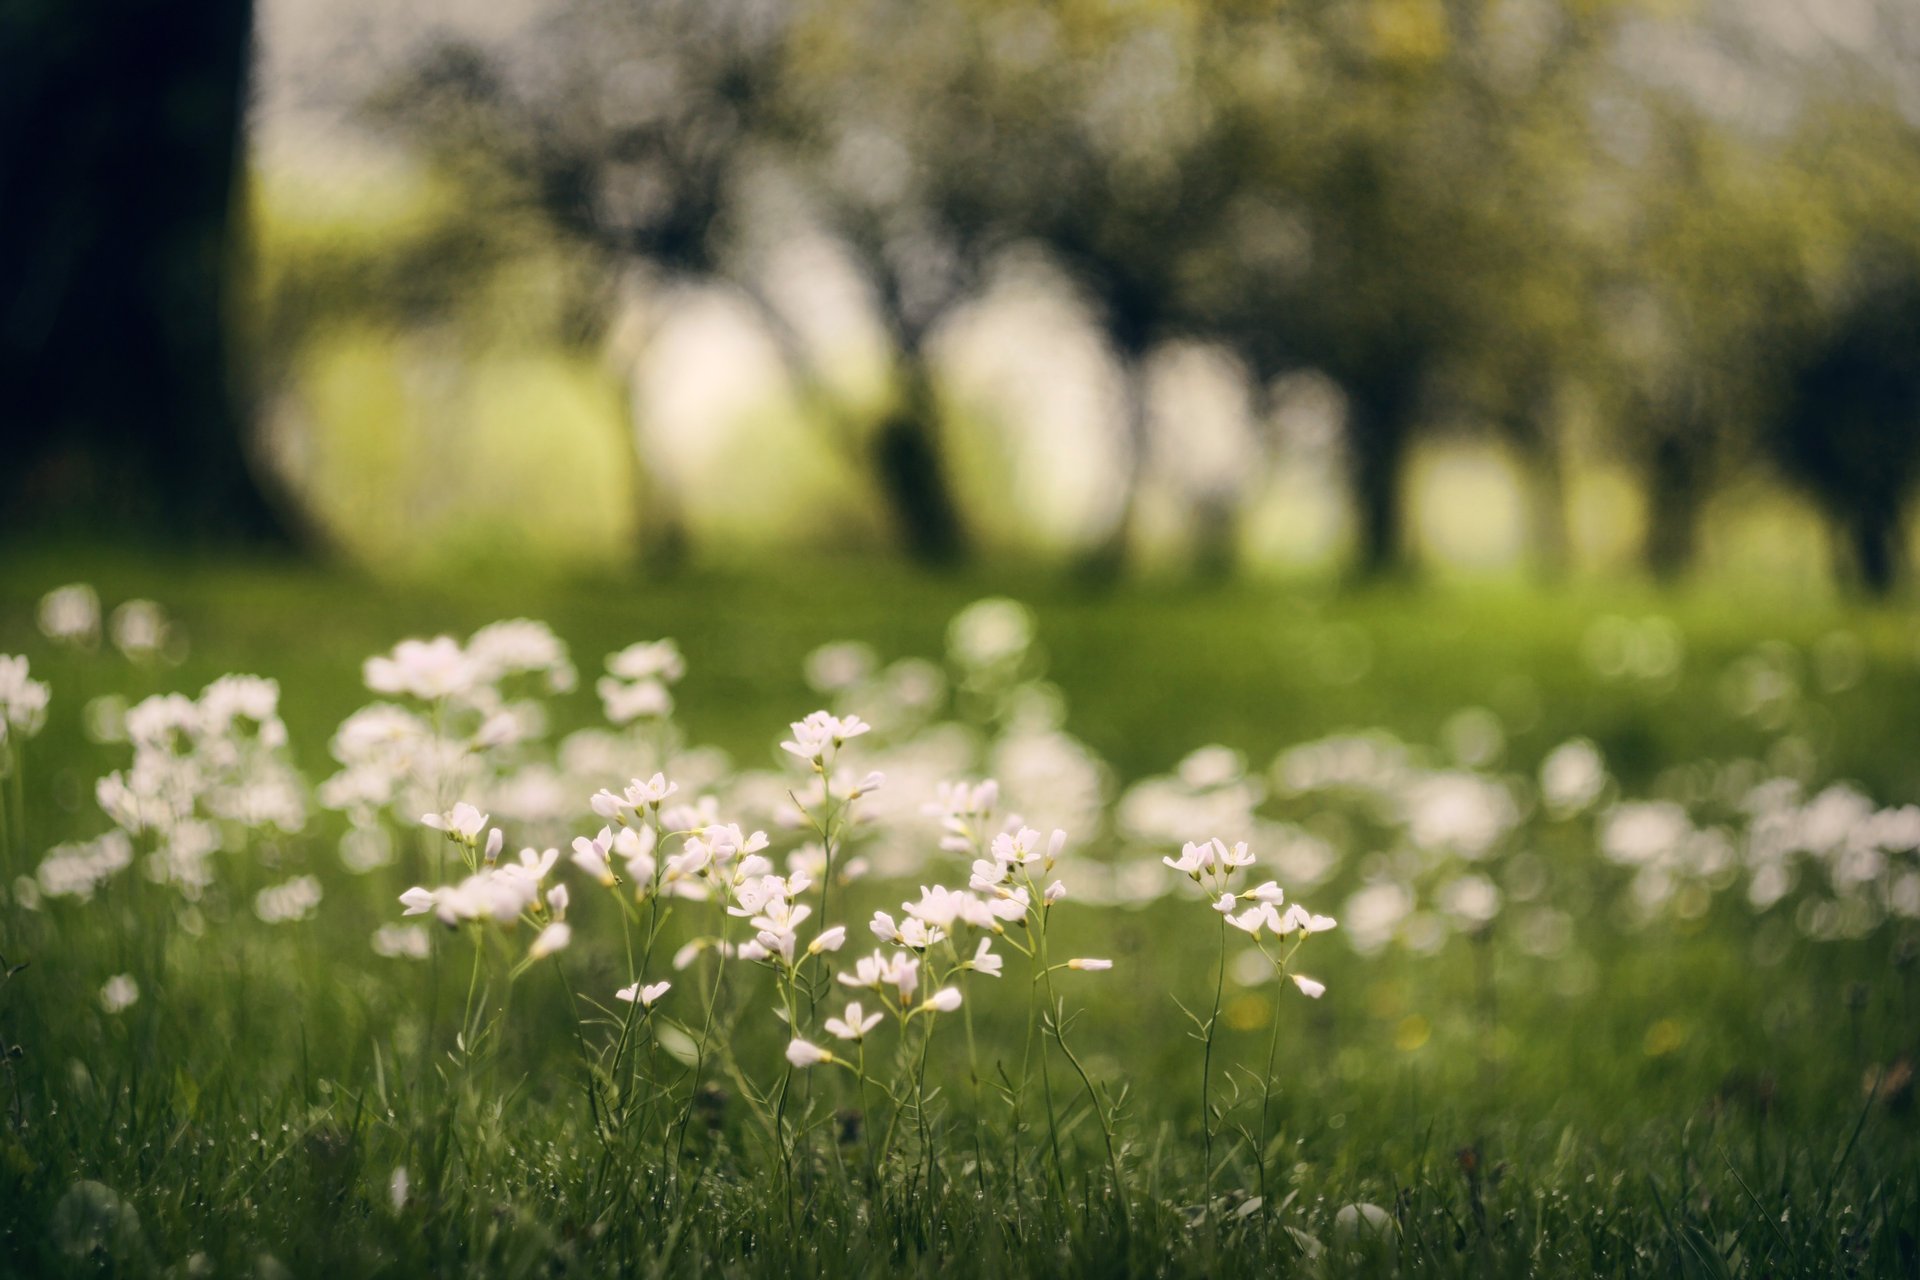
x,y
945,1000
419,901
397,941
854,1024
119,993
829,940
462,823
554,937
650,791
1089,964
607,805
1054,892
645,995
1298,917
71,615
591,856
649,660
803,1054
1309,987
984,961
557,899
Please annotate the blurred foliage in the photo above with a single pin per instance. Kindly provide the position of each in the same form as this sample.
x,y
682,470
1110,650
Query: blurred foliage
x,y
1606,233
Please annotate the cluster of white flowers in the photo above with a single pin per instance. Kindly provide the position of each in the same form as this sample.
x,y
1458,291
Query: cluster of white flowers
x,y
208,774
297,899
639,681
1215,866
23,704
78,870
476,709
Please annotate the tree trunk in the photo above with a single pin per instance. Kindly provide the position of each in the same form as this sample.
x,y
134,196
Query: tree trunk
x,y
1379,436
911,470
1673,507
1878,540
120,153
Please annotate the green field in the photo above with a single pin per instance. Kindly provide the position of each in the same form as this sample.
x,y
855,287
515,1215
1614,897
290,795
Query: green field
x,y
1595,1079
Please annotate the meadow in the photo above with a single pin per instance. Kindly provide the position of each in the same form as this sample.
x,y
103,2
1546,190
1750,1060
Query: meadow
x,y
1603,963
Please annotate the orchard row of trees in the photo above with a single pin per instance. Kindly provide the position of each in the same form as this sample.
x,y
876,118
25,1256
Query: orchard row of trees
x,y
1457,211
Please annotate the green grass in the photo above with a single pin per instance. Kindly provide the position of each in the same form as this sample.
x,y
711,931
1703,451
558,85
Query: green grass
x,y
1685,1099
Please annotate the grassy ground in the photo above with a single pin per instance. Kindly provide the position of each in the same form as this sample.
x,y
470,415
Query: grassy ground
x,y
1709,1095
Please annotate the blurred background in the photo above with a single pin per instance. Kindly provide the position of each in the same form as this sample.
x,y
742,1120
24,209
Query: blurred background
x,y
1528,288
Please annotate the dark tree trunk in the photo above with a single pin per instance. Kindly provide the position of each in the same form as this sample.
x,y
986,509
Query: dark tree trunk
x,y
1379,438
911,470
1673,488
120,150
1878,542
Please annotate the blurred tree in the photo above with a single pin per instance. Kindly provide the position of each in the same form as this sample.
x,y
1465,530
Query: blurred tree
x,y
120,129
640,130
1848,428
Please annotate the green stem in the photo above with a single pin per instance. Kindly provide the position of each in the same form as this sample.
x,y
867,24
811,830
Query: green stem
x,y
1206,1065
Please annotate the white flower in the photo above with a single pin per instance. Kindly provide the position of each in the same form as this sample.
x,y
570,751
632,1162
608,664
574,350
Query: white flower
x,y
401,940
652,791
591,856
1210,864
829,940
119,993
1091,965
71,615
625,703
462,823
557,900
1017,848
496,840
1298,917
990,632
139,629
297,899
1309,987
648,660
854,1024
803,1054
644,995
945,1000
419,901
607,805
1260,915
820,733
554,937
1054,893
882,969
23,701
984,961
424,669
